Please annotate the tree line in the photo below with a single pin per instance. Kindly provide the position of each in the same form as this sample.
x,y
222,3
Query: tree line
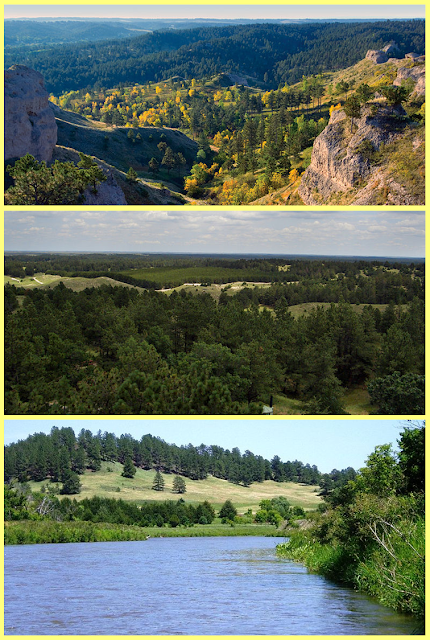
x,y
61,456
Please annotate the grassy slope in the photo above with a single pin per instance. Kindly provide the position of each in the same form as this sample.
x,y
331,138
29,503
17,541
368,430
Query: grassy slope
x,y
89,136
216,491
48,281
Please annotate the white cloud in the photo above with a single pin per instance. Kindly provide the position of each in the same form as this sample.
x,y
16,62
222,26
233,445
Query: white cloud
x,y
28,219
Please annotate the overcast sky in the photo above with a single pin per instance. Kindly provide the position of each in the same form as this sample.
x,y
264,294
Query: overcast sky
x,y
357,233
214,10
329,444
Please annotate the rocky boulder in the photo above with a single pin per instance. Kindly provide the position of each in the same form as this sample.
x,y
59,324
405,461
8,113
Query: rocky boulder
x,y
378,57
340,161
391,49
29,125
417,74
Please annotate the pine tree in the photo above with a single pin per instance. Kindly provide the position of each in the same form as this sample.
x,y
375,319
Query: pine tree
x,y
169,159
352,108
154,165
129,469
71,482
228,511
131,175
158,484
179,485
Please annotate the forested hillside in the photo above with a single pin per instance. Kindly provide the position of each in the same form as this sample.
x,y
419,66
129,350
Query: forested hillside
x,y
126,351
271,54
229,115
40,457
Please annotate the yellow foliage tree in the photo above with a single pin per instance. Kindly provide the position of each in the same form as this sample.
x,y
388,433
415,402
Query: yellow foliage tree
x,y
277,180
158,89
293,175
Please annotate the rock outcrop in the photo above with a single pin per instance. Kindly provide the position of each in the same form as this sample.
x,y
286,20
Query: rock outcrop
x,y
340,161
108,192
417,74
378,57
30,125
391,48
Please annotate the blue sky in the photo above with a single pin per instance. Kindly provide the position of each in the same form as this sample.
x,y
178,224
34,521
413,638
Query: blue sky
x,y
214,10
330,444
184,229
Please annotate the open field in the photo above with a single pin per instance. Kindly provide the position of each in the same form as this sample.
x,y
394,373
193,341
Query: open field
x,y
106,483
173,276
48,281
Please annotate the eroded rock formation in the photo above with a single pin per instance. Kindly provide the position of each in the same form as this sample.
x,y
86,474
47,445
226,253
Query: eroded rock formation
x,y
30,125
340,159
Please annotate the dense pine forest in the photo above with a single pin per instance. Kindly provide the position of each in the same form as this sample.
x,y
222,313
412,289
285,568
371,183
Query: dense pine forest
x,y
308,332
272,54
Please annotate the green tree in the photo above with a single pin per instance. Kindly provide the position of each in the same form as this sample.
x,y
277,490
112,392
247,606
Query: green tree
x,y
412,457
364,93
169,160
154,165
158,483
131,175
398,394
35,183
129,470
394,95
91,170
352,108
381,475
71,482
227,511
179,485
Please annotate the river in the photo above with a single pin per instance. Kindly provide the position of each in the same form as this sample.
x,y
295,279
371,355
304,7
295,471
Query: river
x,y
180,586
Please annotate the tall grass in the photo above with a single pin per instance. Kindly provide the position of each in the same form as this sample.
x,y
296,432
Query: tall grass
x,y
47,531
392,570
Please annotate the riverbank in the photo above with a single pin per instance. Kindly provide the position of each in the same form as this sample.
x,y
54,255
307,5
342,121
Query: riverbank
x,y
47,531
393,574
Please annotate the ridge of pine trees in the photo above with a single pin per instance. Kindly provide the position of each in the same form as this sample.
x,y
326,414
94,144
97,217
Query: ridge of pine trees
x,y
54,456
273,54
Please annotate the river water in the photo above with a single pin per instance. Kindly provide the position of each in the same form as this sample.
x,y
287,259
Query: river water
x,y
180,586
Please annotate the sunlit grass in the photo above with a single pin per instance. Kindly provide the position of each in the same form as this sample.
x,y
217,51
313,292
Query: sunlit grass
x,y
110,484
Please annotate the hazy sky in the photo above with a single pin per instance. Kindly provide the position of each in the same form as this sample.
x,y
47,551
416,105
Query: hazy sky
x,y
244,10
330,444
375,233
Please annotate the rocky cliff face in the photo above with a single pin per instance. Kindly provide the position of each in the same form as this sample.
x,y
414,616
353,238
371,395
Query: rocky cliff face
x,y
341,169
30,125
